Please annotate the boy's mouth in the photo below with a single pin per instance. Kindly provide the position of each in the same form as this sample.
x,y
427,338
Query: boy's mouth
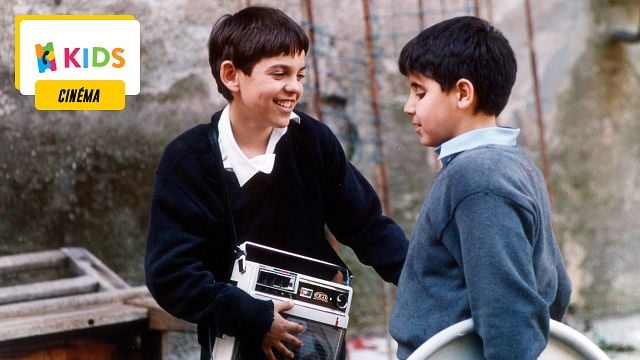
x,y
287,104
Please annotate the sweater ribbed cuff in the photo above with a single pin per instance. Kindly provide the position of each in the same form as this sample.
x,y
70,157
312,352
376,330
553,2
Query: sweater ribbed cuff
x,y
257,320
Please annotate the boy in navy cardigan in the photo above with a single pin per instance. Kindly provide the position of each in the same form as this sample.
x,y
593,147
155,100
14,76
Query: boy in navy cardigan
x,y
483,246
286,179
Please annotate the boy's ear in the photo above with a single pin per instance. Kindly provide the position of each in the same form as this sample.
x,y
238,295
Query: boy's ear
x,y
466,94
229,75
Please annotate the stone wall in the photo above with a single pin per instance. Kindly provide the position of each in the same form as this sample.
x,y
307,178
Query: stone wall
x,y
595,158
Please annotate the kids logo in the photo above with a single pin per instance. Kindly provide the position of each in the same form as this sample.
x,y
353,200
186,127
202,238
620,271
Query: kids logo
x,y
78,57
46,58
78,62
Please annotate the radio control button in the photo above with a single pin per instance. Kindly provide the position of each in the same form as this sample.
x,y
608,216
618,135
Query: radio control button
x,y
341,301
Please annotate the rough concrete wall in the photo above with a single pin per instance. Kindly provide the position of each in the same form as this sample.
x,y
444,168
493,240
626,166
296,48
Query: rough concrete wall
x,y
597,168
83,178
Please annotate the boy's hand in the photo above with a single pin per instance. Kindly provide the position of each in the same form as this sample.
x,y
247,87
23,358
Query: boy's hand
x,y
280,333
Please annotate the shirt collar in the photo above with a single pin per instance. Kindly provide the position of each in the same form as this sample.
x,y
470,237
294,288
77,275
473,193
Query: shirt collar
x,y
235,160
472,139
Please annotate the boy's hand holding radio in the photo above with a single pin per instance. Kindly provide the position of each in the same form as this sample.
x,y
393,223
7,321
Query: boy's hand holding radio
x,y
281,333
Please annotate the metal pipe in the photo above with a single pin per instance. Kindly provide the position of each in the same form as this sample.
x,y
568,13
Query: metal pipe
x,y
490,10
381,178
421,15
317,99
546,170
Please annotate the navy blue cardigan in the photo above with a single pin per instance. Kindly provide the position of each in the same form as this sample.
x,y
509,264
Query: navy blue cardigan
x,y
189,241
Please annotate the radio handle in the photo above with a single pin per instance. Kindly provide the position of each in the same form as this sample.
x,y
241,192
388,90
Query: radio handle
x,y
241,255
242,250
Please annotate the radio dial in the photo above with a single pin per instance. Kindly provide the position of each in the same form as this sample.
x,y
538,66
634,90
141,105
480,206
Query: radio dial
x,y
341,301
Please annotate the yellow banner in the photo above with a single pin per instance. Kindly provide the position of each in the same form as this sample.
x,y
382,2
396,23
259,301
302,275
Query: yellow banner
x,y
80,95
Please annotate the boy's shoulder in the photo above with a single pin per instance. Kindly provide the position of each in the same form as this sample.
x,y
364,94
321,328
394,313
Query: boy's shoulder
x,y
488,157
308,122
487,165
192,141
310,128
314,139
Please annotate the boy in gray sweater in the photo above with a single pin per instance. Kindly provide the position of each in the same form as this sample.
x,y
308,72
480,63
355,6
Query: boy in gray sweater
x,y
483,247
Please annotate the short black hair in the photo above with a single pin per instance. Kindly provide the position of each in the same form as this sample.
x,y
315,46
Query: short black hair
x,y
250,35
464,47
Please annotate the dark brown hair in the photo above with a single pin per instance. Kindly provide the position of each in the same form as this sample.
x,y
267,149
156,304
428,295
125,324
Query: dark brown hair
x,y
464,47
250,35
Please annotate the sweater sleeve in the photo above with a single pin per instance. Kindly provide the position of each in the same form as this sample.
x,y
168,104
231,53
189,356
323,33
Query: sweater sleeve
x,y
496,255
180,259
354,216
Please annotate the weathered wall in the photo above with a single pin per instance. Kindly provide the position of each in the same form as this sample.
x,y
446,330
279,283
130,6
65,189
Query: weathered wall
x,y
81,178
596,162
85,178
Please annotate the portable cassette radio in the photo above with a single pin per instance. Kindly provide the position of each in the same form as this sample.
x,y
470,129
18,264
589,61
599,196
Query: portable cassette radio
x,y
321,305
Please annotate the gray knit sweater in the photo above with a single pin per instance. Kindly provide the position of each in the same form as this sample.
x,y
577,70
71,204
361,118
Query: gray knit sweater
x,y
483,248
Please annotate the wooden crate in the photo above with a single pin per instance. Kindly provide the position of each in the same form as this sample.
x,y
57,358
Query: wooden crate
x,y
66,304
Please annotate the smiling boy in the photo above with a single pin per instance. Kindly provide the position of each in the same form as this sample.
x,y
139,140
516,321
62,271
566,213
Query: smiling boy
x,y
272,176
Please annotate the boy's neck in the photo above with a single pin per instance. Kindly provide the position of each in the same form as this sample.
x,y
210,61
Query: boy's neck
x,y
477,121
251,138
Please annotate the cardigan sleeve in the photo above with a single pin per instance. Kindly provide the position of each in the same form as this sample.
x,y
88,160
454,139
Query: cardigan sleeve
x,y
181,257
354,215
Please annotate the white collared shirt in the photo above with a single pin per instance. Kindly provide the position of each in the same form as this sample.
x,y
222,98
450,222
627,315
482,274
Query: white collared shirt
x,y
235,160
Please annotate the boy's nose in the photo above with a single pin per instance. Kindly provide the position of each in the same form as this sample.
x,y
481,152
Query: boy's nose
x,y
294,86
409,108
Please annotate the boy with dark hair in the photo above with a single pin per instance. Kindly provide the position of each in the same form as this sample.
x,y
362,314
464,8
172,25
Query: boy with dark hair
x,y
272,176
483,246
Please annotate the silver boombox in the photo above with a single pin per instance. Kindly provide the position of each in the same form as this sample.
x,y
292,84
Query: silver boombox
x,y
321,304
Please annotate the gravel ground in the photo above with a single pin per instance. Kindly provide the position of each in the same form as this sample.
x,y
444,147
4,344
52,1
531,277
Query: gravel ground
x,y
371,349
620,336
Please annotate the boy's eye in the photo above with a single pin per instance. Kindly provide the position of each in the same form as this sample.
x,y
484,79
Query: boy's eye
x,y
300,76
418,91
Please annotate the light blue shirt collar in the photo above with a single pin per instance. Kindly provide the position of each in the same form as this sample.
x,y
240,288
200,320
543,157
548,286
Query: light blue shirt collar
x,y
472,139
